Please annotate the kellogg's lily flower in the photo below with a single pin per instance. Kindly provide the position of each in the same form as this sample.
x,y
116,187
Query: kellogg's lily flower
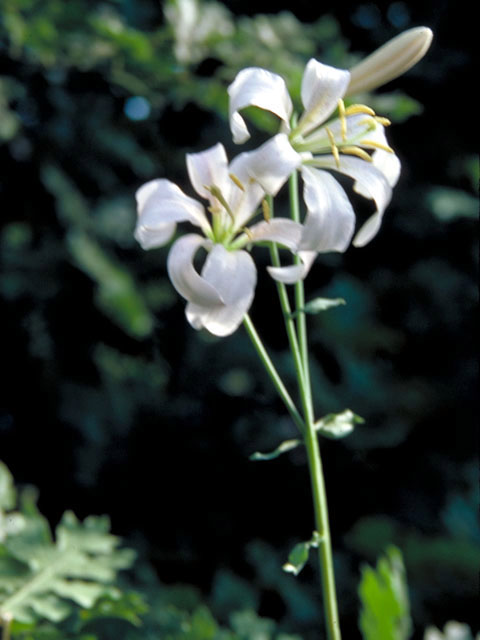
x,y
219,296
330,136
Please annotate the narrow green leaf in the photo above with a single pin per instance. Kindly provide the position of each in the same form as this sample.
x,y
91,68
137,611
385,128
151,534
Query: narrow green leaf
x,y
298,556
383,593
338,425
318,305
285,446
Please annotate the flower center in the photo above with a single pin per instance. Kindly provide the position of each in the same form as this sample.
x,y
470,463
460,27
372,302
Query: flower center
x,y
345,134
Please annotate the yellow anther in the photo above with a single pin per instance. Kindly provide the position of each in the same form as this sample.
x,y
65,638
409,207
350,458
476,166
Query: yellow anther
x,y
353,109
236,181
343,120
266,210
377,145
356,151
334,147
384,121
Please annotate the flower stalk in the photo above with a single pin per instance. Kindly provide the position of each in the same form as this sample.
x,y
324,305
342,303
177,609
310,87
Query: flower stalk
x,y
329,137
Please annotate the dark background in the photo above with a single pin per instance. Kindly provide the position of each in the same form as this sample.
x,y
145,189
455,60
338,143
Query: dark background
x,y
111,403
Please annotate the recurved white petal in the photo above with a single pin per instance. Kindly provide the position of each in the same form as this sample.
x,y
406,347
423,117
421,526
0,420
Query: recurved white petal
x,y
160,205
259,88
322,87
184,276
369,182
330,219
233,275
208,168
281,230
294,272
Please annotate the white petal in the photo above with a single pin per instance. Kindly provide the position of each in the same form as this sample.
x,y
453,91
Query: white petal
x,y
272,163
245,200
234,276
322,87
369,182
161,204
282,230
184,276
367,128
259,88
294,273
151,237
208,168
330,220
388,164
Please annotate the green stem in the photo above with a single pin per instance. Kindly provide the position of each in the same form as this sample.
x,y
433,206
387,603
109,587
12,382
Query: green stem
x,y
6,623
299,349
300,292
323,527
272,372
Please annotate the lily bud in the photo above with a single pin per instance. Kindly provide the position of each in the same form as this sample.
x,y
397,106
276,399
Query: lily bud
x,y
391,60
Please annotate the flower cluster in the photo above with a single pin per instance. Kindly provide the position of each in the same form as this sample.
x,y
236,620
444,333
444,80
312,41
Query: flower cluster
x,y
327,137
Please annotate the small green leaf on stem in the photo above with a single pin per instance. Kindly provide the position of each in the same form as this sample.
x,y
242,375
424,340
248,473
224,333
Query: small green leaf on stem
x,y
285,446
338,425
298,556
318,305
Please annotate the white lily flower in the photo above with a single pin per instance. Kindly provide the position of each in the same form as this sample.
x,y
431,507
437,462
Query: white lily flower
x,y
332,137
219,296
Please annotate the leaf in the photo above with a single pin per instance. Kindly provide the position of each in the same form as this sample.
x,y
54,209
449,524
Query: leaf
x,y
448,204
383,593
338,425
318,305
7,490
285,446
78,567
298,556
127,606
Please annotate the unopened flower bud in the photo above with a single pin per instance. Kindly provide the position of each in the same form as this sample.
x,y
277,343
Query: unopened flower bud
x,y
391,60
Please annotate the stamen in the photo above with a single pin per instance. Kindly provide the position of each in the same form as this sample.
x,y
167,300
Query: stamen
x,y
353,109
356,151
333,146
385,121
343,120
236,181
216,193
377,145
370,124
248,233
266,210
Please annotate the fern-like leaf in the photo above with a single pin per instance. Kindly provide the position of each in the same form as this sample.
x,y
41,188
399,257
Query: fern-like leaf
x,y
42,578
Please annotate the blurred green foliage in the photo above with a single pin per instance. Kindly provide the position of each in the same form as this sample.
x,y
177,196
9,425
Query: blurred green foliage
x,y
385,605
108,389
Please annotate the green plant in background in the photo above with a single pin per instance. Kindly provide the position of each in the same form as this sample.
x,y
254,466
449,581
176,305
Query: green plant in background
x,y
71,576
383,593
